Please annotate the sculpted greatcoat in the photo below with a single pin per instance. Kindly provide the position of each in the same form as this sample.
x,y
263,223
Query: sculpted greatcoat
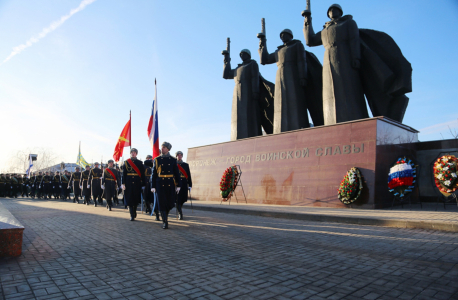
x,y
343,95
290,108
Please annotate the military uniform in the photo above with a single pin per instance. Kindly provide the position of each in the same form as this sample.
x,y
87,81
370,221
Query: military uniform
x,y
56,186
16,186
148,196
65,179
95,178
39,185
133,182
84,184
32,185
8,187
75,183
165,179
111,185
2,185
46,185
186,183
25,186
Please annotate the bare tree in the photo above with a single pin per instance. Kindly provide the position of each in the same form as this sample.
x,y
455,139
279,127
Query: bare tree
x,y
18,162
453,132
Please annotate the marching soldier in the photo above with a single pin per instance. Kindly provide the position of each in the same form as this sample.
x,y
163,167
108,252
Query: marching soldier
x,y
46,185
2,185
186,183
166,181
147,194
57,185
75,183
38,185
51,184
65,178
111,183
32,185
133,182
25,186
95,178
85,185
8,186
15,185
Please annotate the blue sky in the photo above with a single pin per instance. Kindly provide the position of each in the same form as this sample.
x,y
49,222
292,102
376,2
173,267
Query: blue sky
x,y
79,82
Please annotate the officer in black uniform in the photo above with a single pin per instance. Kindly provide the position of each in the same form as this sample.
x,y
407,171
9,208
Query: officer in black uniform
x,y
166,181
65,179
32,184
186,183
75,183
46,185
95,178
25,186
85,185
111,182
133,182
16,186
39,185
2,185
56,185
148,196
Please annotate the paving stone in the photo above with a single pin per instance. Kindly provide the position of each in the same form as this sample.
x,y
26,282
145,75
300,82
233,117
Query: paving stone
x,y
81,252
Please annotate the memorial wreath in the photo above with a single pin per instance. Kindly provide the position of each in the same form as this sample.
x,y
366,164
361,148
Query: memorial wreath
x,y
228,182
402,178
445,174
350,187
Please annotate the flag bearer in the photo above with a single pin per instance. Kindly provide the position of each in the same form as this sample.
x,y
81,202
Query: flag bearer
x,y
165,181
133,182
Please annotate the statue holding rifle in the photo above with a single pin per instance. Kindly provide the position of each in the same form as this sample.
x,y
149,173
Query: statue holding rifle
x,y
359,62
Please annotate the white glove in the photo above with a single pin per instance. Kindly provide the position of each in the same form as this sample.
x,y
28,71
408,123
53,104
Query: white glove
x,y
153,190
81,187
60,186
178,189
68,188
123,187
39,186
189,188
143,188
27,185
103,187
88,186
11,187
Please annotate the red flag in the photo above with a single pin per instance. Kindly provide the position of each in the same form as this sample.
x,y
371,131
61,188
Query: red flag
x,y
123,141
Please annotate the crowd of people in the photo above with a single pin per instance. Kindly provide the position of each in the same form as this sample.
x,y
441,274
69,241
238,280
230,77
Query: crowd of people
x,y
163,182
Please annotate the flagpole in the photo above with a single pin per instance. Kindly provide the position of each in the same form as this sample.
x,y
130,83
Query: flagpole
x,y
130,132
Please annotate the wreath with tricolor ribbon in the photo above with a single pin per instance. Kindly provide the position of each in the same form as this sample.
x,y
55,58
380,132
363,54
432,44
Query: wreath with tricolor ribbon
x,y
228,182
445,174
350,187
402,178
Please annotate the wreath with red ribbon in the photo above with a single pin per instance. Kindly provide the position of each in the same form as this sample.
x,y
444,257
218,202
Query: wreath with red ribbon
x,y
350,187
228,182
445,174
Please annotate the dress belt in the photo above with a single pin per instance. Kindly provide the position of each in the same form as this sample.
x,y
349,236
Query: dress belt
x,y
109,179
95,177
132,174
165,176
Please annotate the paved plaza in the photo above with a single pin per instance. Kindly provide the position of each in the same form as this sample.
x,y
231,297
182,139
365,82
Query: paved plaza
x,y
77,251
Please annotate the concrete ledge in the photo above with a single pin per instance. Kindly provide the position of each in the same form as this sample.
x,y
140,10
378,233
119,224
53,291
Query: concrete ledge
x,y
11,232
396,223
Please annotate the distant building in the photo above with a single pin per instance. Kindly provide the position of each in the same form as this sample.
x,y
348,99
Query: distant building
x,y
68,166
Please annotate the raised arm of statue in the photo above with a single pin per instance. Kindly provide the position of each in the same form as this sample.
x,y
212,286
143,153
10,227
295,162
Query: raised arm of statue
x,y
264,55
228,73
311,39
355,44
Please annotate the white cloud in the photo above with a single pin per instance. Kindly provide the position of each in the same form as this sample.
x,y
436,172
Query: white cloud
x,y
440,127
54,25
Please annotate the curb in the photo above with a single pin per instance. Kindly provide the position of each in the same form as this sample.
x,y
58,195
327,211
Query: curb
x,y
439,226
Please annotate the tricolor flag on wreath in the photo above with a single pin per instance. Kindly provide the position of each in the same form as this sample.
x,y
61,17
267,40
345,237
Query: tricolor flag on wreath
x,y
400,175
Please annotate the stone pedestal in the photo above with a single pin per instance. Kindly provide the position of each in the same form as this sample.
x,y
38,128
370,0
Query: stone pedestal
x,y
11,232
305,167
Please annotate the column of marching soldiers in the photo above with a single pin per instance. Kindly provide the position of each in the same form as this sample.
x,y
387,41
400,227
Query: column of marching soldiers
x,y
166,179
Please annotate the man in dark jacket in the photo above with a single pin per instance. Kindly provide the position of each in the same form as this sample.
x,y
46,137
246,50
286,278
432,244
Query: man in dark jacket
x,y
86,185
166,181
75,183
95,179
186,183
133,182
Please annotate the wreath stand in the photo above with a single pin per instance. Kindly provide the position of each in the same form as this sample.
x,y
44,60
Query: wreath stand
x,y
446,200
239,183
417,187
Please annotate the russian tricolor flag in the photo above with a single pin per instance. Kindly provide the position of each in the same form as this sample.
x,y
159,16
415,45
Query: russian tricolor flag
x,y
400,175
153,127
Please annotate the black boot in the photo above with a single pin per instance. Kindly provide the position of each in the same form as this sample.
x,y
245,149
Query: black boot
x,y
180,212
165,223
